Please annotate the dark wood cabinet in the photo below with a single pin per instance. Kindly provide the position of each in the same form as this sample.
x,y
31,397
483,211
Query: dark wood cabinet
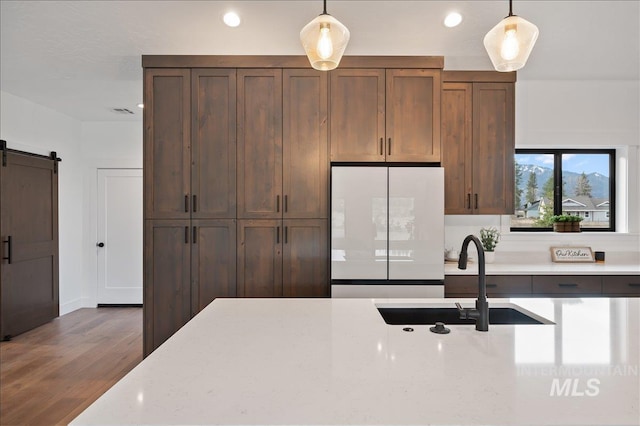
x,y
478,142
567,284
305,258
385,115
621,285
189,157
413,115
260,258
259,156
305,144
213,143
187,265
283,258
497,285
213,261
167,288
190,195
167,154
357,114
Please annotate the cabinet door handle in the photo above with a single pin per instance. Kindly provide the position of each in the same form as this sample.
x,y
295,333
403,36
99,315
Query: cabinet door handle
x,y
277,203
476,200
567,285
630,284
278,235
195,235
492,285
9,244
186,203
468,200
286,204
186,235
194,201
381,146
286,234
389,146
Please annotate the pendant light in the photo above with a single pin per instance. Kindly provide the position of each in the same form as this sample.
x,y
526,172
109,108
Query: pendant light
x,y
510,42
324,40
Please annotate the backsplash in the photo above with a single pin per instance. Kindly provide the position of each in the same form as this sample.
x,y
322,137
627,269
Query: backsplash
x,y
619,246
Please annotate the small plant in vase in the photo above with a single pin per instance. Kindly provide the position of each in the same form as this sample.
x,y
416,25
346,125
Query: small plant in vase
x,y
566,223
489,238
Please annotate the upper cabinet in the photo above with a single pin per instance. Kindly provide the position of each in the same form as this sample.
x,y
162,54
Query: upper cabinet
x,y
283,163
167,154
189,143
385,115
478,142
259,157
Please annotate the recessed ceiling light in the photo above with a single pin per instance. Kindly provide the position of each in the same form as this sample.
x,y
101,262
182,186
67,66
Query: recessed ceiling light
x,y
231,19
140,105
453,19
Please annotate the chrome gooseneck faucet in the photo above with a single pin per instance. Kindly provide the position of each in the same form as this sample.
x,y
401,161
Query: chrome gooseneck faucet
x,y
481,313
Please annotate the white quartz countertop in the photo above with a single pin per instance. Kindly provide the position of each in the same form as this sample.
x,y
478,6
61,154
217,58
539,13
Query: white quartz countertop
x,y
546,268
336,362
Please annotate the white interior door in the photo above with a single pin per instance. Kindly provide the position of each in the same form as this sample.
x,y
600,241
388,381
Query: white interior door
x,y
119,245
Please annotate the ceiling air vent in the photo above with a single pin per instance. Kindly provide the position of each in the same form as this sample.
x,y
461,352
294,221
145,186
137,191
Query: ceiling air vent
x,y
124,111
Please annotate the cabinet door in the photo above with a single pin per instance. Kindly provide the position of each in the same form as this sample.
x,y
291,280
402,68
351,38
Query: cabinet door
x,y
213,261
260,258
357,103
213,180
167,157
167,304
305,261
493,148
259,158
305,144
456,135
413,115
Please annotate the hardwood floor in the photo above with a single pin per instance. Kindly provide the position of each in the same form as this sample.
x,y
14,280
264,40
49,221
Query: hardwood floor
x,y
50,374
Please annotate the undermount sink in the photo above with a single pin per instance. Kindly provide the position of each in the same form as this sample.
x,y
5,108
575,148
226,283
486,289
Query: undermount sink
x,y
419,315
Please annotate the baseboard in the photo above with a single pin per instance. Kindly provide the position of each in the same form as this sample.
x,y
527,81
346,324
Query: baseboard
x,y
119,305
71,306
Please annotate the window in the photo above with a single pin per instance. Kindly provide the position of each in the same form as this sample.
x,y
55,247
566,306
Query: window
x,y
549,182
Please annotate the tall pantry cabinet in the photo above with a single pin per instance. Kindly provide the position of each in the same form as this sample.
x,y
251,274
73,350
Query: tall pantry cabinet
x,y
236,187
282,183
190,200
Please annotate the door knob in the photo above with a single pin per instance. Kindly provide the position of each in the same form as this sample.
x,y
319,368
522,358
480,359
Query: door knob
x,y
100,244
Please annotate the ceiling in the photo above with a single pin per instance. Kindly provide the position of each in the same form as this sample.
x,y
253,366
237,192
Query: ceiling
x,y
83,58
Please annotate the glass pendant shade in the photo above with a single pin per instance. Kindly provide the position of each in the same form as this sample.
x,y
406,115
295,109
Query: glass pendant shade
x,y
510,43
324,40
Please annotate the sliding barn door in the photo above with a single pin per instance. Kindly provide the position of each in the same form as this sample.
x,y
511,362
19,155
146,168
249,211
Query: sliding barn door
x,y
29,228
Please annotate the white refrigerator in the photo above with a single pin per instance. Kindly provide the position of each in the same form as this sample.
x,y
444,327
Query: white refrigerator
x,y
387,231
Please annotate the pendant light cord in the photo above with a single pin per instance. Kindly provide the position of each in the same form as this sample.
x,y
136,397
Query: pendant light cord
x,y
510,7
324,9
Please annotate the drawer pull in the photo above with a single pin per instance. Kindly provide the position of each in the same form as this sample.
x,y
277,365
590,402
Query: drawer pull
x,y
568,285
492,285
634,284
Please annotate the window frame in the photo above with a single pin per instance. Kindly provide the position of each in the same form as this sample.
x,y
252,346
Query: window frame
x,y
557,177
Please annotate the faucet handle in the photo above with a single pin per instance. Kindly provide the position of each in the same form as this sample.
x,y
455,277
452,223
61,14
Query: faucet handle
x,y
461,311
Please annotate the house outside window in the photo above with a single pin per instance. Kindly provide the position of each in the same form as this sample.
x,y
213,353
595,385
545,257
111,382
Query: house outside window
x,y
579,182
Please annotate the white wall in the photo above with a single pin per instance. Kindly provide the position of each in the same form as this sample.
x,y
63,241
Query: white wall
x,y
30,127
574,114
104,145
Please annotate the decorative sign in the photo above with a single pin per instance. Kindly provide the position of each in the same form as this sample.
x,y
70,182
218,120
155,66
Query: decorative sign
x,y
571,254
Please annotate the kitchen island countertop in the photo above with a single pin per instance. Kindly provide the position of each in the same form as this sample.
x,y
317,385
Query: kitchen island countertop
x,y
335,361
